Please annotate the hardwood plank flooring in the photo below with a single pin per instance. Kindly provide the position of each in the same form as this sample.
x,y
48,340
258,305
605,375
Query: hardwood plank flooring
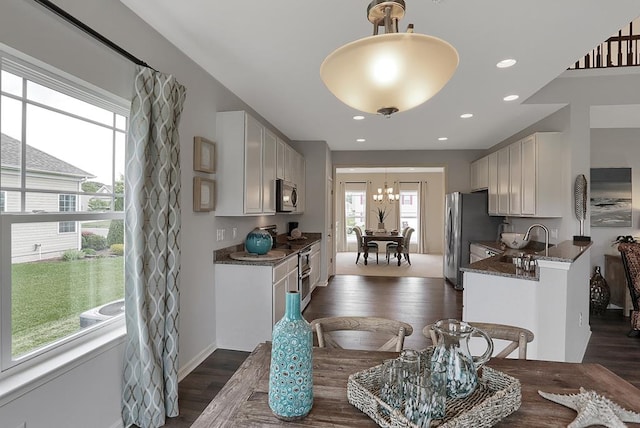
x,y
417,301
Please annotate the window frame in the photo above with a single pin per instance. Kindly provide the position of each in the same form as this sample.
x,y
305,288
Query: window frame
x,y
41,362
63,207
3,200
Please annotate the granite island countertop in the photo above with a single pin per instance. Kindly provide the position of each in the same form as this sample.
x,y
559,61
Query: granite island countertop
x,y
283,244
566,251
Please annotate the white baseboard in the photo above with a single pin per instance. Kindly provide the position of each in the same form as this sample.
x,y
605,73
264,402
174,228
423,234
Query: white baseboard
x,y
195,362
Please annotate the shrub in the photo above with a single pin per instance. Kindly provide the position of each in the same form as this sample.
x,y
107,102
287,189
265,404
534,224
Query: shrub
x,y
85,235
116,233
94,242
70,255
89,251
117,249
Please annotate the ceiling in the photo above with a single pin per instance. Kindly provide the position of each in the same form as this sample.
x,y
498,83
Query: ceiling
x,y
269,55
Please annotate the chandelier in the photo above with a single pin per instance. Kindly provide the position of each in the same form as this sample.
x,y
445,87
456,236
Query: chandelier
x,y
390,72
386,194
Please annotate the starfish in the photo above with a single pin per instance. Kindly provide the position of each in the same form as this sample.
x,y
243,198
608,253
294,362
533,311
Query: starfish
x,y
593,409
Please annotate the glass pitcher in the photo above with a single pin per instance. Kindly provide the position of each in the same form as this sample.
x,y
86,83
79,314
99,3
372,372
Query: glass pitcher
x,y
452,350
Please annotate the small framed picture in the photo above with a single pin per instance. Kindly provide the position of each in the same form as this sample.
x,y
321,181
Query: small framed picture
x,y
204,155
203,194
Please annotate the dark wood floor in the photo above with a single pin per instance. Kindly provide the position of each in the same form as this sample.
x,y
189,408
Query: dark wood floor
x,y
417,301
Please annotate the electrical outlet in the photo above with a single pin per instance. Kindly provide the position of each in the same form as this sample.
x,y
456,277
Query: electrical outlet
x,y
554,233
219,234
234,232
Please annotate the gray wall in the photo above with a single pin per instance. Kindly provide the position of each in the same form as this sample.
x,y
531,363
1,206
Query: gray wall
x,y
455,162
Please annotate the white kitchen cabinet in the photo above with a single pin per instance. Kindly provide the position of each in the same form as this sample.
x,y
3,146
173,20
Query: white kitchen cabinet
x,y
246,166
314,261
515,178
493,183
525,178
269,152
300,181
249,300
480,174
503,181
281,148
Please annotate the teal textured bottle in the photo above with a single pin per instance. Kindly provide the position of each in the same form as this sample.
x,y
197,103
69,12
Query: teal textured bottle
x,y
291,373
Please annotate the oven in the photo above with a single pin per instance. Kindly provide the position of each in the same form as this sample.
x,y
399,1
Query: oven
x,y
304,277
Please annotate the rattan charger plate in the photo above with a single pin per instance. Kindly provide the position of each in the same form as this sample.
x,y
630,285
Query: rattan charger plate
x,y
497,396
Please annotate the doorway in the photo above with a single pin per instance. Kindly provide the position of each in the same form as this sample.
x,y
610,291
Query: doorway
x,y
419,204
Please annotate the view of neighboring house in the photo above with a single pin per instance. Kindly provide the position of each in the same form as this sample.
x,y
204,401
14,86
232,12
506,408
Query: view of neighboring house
x,y
60,180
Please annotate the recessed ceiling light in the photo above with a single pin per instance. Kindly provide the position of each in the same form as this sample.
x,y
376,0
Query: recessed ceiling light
x,y
361,140
506,63
443,139
466,115
511,97
358,117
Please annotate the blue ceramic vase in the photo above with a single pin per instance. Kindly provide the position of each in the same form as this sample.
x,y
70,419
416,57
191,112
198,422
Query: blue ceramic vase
x,y
291,372
258,241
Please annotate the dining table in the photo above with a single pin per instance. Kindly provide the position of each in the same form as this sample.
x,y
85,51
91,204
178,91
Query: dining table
x,y
384,237
243,401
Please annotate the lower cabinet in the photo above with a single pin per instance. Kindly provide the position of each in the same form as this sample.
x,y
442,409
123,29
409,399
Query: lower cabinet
x,y
249,300
314,261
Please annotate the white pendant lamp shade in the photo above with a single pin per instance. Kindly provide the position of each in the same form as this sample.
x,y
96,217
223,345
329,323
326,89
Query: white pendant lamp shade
x,y
390,72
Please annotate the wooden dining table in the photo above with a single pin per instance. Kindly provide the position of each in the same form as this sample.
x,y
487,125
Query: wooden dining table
x,y
385,237
243,401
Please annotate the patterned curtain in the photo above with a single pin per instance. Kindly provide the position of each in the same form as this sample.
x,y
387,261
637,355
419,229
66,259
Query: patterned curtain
x,y
152,252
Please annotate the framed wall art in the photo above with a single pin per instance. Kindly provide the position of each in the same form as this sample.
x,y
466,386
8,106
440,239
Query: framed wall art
x,y
204,155
611,197
203,194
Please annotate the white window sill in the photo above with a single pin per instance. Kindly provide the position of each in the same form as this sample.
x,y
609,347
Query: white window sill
x,y
18,382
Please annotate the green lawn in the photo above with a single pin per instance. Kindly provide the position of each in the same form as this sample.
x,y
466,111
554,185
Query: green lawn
x,y
48,297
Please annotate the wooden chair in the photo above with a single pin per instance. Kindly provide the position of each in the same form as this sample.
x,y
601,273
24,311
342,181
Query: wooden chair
x,y
518,337
630,253
397,330
371,246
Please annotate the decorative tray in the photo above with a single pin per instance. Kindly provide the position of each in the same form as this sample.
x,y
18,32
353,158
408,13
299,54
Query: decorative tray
x,y
497,396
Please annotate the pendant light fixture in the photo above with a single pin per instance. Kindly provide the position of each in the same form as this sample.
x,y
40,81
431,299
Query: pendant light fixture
x,y
391,72
386,193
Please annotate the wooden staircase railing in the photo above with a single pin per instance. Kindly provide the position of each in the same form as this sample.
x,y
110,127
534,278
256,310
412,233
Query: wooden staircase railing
x,y
620,50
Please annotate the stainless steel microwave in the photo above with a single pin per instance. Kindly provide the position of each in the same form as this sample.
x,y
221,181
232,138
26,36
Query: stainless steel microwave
x,y
286,197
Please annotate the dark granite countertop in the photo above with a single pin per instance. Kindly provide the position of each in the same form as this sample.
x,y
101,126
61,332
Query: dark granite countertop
x,y
565,251
283,243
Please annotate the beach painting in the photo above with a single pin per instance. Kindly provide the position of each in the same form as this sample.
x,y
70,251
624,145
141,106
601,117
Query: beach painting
x,y
611,197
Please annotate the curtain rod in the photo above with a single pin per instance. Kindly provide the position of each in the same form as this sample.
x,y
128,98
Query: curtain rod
x,y
90,31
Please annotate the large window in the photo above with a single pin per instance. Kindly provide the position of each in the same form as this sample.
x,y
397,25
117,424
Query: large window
x,y
409,209
61,255
355,205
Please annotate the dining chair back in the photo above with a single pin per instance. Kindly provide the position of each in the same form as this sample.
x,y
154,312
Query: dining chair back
x,y
516,336
392,248
394,330
372,247
630,253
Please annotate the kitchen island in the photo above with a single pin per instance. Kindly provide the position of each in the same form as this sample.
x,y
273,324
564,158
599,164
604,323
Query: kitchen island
x,y
552,300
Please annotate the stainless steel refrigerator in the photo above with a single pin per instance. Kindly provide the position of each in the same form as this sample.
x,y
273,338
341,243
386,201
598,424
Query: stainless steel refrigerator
x,y
466,220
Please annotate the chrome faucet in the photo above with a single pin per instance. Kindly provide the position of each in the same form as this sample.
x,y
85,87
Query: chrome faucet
x,y
546,236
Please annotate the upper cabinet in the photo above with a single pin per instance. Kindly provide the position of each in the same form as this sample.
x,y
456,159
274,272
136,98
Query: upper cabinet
x,y
290,166
480,174
246,173
525,178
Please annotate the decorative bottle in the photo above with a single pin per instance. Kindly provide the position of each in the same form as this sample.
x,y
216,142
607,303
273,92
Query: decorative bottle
x,y
291,372
599,293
